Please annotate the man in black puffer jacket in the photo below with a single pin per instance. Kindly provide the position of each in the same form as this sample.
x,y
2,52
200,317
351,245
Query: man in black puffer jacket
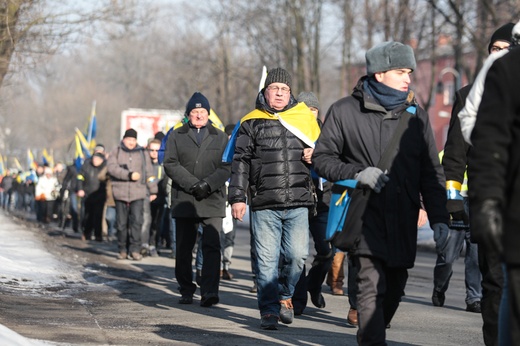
x,y
272,159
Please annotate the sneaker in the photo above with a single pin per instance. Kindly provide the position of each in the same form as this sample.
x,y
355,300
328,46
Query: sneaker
x,y
122,255
438,298
144,249
136,256
153,252
269,322
474,307
226,275
286,311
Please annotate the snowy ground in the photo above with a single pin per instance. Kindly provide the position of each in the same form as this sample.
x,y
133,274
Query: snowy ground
x,y
27,265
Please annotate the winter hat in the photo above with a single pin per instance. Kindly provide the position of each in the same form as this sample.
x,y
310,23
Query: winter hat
x,y
309,99
229,129
278,75
504,33
100,148
159,135
197,100
388,56
130,133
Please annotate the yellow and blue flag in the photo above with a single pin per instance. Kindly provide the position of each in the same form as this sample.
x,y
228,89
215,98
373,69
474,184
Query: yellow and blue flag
x,y
92,128
2,166
31,163
299,120
48,160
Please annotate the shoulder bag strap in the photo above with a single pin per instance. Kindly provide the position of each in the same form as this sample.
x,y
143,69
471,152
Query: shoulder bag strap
x,y
390,151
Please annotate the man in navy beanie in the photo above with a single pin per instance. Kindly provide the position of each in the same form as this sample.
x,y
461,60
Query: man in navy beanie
x,y
193,161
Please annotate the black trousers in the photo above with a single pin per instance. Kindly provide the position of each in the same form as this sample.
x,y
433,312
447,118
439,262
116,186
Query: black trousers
x,y
313,281
186,229
492,282
93,217
129,218
380,289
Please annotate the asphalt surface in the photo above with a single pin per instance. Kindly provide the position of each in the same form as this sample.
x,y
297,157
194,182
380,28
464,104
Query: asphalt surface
x,y
124,302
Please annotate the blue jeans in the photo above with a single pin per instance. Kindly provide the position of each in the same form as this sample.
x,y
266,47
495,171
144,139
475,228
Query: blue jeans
x,y
279,234
110,217
504,337
444,265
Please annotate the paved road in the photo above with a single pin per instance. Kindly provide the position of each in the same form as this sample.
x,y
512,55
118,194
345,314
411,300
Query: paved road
x,y
135,303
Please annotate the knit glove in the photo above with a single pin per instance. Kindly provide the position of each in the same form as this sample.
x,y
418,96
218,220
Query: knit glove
x,y
200,190
441,236
486,224
372,177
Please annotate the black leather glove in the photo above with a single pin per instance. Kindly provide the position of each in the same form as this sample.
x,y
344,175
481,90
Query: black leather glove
x,y
486,224
456,209
200,190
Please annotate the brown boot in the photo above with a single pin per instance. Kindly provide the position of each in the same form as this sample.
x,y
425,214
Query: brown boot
x,y
337,274
352,318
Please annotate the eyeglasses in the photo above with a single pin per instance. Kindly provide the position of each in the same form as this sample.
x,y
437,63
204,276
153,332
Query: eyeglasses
x,y
154,150
495,49
283,90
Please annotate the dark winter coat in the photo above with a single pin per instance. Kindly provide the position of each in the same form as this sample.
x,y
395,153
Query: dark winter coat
x,y
494,172
120,164
186,162
456,149
354,136
268,160
89,182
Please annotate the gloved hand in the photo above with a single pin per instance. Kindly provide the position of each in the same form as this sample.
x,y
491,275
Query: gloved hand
x,y
200,190
456,209
486,224
441,236
373,178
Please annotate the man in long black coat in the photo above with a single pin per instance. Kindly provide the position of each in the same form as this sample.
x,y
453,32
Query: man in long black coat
x,y
193,160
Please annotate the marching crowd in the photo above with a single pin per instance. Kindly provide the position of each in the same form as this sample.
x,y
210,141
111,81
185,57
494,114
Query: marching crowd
x,y
280,163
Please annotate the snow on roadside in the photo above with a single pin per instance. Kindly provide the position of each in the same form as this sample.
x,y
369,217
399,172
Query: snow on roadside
x,y
25,261
26,264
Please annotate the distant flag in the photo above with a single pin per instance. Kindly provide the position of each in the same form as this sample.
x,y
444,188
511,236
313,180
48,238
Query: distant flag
x,y
215,120
31,164
47,158
79,156
2,166
262,78
85,146
18,165
92,128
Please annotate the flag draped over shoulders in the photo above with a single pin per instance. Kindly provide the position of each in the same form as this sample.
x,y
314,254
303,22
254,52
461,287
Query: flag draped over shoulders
x,y
299,120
